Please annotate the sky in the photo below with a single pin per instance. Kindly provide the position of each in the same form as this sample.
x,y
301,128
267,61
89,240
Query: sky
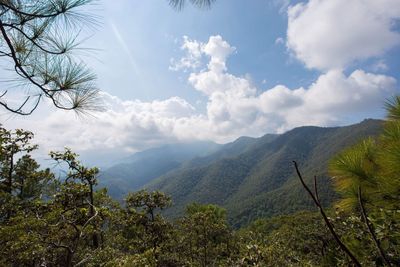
x,y
241,68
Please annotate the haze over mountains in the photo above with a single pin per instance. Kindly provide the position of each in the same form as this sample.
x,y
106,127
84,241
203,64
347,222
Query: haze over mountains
x,y
250,177
137,170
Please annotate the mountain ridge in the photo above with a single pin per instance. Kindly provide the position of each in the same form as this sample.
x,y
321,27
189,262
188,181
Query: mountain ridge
x,y
135,171
261,181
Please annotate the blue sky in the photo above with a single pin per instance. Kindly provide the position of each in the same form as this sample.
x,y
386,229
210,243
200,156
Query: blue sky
x,y
240,68
152,31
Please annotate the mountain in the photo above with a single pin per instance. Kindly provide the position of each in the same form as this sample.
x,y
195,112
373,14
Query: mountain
x,y
258,179
140,168
229,150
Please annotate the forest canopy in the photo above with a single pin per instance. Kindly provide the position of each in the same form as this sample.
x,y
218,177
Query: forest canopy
x,y
47,219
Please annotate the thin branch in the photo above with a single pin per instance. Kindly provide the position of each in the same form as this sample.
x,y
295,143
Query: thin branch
x,y
327,222
24,74
73,102
91,218
59,246
370,228
61,52
32,15
316,189
84,261
4,54
18,64
18,110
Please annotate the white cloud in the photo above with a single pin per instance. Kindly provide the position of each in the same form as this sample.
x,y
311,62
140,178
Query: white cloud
x,y
234,108
192,58
333,34
216,48
125,127
334,97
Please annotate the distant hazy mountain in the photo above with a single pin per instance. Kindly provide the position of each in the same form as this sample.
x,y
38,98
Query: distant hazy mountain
x,y
229,150
254,177
135,171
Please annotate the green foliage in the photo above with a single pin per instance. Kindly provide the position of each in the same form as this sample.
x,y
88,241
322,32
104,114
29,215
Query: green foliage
x,y
45,221
37,40
372,165
367,177
393,109
142,167
294,240
145,229
70,222
206,239
255,178
353,168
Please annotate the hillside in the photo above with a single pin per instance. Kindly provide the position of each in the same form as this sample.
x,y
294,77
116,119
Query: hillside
x,y
261,181
140,168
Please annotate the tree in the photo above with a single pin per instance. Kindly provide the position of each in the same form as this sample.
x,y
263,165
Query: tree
x,y
23,188
44,220
146,230
12,144
367,177
298,239
30,182
37,39
205,235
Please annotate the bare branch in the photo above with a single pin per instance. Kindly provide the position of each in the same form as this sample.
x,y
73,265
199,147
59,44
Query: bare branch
x,y
316,189
91,218
19,110
327,222
371,229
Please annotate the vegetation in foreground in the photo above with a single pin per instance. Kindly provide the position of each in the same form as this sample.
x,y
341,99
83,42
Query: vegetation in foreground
x,y
51,221
64,221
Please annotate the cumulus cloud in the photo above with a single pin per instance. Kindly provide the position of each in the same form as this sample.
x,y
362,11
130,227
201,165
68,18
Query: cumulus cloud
x,y
333,34
234,108
125,127
192,58
216,48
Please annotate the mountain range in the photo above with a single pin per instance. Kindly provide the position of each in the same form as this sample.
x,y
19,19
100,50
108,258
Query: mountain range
x,y
250,177
135,171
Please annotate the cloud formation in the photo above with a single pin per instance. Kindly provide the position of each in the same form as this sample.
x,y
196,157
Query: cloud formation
x,y
234,108
334,34
325,35
192,59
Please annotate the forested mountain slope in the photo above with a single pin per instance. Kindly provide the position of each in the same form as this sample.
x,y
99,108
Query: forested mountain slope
x,y
261,180
139,169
